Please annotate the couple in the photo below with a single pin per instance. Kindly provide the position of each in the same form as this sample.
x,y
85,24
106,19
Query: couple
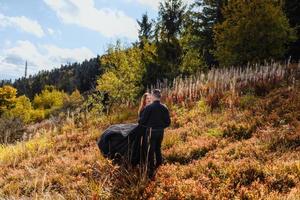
x,y
139,143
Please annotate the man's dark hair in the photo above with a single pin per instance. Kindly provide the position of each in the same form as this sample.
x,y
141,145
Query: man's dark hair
x,y
156,93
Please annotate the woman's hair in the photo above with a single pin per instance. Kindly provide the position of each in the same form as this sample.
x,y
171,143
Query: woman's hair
x,y
143,102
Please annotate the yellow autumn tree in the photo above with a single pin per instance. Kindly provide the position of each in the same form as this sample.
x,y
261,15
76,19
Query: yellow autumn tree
x,y
22,110
49,100
7,98
122,79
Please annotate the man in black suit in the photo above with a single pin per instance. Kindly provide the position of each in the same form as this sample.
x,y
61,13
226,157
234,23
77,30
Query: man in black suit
x,y
156,118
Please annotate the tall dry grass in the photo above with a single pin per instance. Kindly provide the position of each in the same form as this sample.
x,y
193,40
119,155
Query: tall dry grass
x,y
214,84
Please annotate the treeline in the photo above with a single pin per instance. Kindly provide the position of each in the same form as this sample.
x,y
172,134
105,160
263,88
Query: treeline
x,y
68,78
185,39
213,33
182,40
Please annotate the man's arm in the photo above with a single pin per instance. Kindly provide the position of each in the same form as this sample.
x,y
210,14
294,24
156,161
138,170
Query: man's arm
x,y
144,117
167,118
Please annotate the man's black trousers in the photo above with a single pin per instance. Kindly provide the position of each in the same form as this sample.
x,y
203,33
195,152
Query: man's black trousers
x,y
153,149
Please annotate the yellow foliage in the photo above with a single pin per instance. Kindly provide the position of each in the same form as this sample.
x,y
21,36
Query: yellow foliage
x,y
22,109
123,77
74,100
49,99
7,98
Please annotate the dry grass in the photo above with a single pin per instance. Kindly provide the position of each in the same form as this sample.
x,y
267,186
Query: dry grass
x,y
246,151
227,83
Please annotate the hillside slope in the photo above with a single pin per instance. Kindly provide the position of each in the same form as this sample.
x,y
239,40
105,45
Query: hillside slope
x,y
250,151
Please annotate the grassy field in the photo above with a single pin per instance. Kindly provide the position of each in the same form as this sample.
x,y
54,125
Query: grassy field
x,y
247,151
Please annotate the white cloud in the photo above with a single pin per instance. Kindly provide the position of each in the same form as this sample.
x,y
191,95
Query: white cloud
x,y
40,57
50,31
109,22
154,4
23,23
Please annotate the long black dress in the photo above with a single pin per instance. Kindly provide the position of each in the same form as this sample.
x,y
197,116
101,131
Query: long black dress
x,y
123,142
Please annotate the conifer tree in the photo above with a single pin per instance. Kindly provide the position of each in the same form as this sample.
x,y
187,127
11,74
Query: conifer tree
x,y
292,11
145,30
205,14
168,29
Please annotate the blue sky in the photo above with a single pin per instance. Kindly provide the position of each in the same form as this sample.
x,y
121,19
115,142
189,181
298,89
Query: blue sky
x,y
49,33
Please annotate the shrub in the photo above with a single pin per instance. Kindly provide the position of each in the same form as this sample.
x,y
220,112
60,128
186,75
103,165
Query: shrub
x,y
73,101
172,138
238,131
214,132
283,176
283,138
245,172
214,99
37,115
247,101
181,115
188,151
11,130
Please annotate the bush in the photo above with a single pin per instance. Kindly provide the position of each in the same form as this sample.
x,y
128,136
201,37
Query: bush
x,y
247,101
283,138
188,151
238,131
38,115
11,130
73,101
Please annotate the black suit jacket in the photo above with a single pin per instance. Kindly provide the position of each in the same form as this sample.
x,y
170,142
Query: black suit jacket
x,y
156,116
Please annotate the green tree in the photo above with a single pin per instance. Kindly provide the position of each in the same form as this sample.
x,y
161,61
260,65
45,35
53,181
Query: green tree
x,y
94,104
145,30
150,61
253,31
168,30
204,15
171,14
192,59
7,98
292,11
123,77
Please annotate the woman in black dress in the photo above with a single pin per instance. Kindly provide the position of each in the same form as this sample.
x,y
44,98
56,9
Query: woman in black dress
x,y
145,101
121,141
136,136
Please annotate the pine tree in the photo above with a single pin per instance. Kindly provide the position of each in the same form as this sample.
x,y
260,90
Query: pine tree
x,y
171,14
145,30
168,29
292,11
205,15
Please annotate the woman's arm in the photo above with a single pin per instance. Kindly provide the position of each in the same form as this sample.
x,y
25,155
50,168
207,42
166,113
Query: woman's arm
x,y
144,117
